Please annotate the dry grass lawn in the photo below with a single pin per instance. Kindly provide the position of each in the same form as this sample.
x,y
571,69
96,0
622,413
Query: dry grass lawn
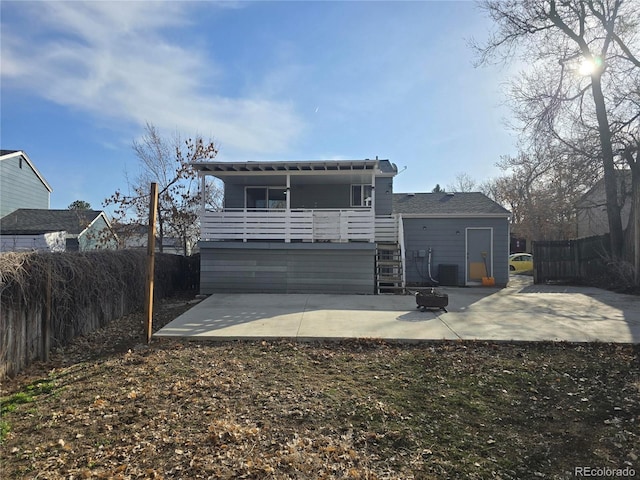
x,y
108,406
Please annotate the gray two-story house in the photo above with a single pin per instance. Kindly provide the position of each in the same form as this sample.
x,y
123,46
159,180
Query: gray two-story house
x,y
21,184
27,223
336,226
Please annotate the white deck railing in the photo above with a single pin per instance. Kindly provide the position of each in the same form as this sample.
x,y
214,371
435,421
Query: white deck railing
x,y
387,229
297,225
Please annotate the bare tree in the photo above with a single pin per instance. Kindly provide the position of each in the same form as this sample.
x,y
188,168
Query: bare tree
x,y
632,157
558,40
463,183
168,163
540,188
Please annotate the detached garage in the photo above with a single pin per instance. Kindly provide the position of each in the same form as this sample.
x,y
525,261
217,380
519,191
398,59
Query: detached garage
x,y
453,239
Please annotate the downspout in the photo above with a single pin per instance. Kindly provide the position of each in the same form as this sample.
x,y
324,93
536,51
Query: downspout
x,y
203,201
429,260
288,192
373,207
203,193
287,213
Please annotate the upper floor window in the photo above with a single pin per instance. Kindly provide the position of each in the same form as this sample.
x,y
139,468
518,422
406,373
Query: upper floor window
x,y
266,197
361,195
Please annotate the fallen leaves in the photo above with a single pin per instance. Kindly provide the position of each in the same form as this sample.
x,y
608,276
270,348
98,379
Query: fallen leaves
x,y
360,410
223,432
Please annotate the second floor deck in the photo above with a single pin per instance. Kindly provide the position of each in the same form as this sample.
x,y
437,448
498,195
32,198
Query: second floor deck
x,y
298,225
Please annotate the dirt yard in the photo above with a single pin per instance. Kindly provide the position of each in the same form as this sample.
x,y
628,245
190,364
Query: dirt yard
x,y
109,406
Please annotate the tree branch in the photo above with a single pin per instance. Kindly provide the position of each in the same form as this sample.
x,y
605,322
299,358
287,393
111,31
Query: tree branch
x,y
609,28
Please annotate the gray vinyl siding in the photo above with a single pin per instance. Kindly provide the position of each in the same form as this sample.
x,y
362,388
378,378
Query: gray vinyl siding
x,y
312,196
20,187
287,268
446,238
384,195
302,196
97,236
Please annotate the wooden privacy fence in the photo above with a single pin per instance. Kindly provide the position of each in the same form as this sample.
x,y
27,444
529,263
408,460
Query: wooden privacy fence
x,y
46,299
577,261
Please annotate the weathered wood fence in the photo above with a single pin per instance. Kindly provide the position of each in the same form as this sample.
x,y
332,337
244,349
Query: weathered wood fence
x,y
46,299
575,261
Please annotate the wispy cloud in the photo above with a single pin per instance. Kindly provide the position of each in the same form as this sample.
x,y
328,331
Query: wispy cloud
x,y
114,61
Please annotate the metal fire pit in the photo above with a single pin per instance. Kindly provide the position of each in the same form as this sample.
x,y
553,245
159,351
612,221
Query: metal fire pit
x,y
431,298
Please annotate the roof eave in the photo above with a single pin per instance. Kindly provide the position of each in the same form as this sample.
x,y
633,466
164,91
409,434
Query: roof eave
x,y
22,154
258,168
100,215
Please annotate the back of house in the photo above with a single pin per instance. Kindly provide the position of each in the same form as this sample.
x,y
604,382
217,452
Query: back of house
x,y
337,227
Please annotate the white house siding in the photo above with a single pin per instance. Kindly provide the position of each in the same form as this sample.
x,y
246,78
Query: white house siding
x,y
48,242
20,187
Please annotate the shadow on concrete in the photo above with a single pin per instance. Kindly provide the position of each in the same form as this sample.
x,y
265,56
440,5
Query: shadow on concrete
x,y
419,316
224,311
587,307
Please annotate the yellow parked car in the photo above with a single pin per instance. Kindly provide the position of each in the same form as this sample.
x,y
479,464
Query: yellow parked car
x,y
520,262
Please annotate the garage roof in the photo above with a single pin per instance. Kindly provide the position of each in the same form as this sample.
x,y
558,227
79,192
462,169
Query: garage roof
x,y
467,204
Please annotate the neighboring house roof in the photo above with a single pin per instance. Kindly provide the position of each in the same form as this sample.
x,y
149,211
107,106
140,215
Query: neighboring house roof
x,y
596,196
467,204
27,221
6,154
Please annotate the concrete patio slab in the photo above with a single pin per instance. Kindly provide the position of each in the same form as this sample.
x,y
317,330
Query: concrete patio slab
x,y
520,312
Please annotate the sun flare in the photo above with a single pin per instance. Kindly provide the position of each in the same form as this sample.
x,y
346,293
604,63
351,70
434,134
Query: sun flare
x,y
589,66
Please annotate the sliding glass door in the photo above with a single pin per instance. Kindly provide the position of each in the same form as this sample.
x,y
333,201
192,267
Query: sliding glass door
x,y
266,198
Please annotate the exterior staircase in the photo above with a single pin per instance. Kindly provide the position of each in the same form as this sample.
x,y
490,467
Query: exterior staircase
x,y
389,268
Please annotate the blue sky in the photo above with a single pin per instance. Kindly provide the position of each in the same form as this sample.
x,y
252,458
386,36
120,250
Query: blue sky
x,y
266,80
